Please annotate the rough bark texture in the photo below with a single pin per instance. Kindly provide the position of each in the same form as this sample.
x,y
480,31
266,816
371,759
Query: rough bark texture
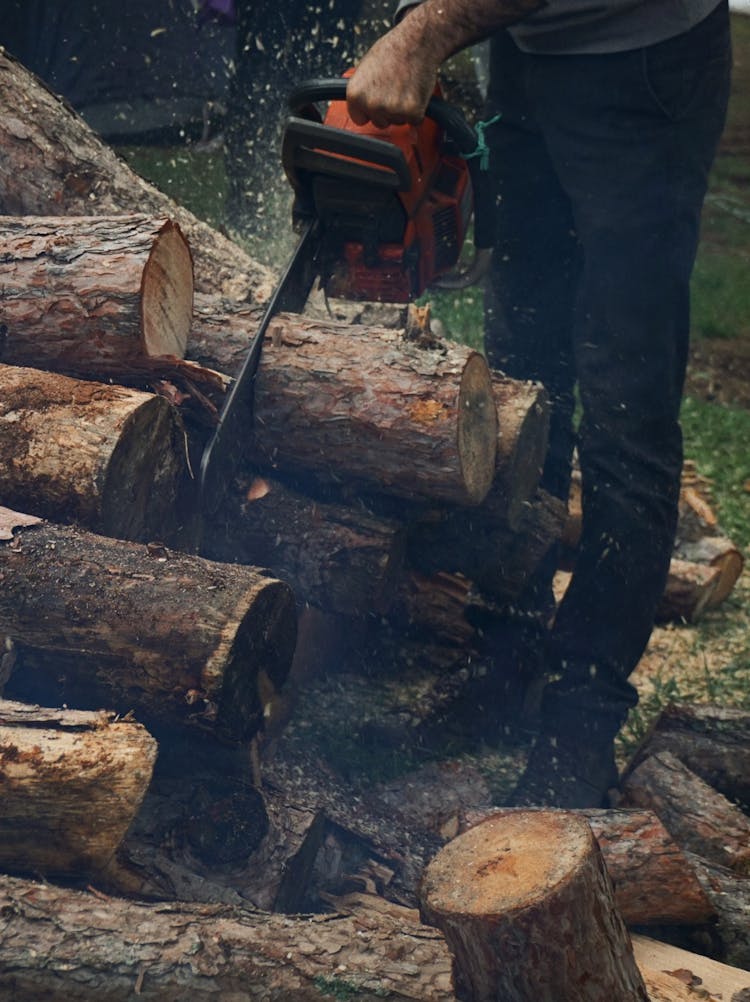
x,y
342,559
689,591
106,457
653,882
364,404
72,946
221,332
697,817
480,544
71,784
174,636
526,907
94,296
712,741
52,162
729,893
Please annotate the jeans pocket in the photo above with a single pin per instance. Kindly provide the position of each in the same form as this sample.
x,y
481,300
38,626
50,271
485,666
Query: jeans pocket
x,y
692,69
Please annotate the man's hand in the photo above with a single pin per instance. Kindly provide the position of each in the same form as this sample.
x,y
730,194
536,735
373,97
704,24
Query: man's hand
x,y
396,78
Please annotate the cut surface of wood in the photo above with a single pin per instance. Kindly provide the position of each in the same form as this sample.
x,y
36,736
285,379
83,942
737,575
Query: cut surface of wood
x,y
71,784
691,969
526,906
104,456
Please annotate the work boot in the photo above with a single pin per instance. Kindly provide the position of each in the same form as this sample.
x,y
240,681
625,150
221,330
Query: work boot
x,y
567,773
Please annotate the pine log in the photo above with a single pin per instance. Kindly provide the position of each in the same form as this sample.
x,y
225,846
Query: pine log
x,y
178,638
522,435
435,606
698,976
221,332
109,458
729,893
689,591
653,881
71,784
482,545
338,558
71,946
52,162
94,296
526,907
712,741
697,817
365,404
718,553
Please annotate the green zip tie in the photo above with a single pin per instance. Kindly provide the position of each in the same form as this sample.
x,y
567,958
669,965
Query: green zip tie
x,y
482,151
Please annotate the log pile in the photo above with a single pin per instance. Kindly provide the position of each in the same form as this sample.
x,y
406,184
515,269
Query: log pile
x,y
390,480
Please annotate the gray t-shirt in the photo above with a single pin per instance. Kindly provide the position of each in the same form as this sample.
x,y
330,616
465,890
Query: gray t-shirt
x,y
568,27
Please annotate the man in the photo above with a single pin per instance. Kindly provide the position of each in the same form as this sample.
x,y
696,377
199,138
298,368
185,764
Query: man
x,y
611,114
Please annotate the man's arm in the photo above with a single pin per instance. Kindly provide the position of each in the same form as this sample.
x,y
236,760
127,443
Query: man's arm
x,y
396,78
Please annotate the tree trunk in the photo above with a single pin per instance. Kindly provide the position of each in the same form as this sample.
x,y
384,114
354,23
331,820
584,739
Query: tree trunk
x,y
71,783
729,893
73,947
712,741
435,606
52,162
341,559
480,544
178,638
106,457
653,882
522,435
698,818
94,296
365,404
526,907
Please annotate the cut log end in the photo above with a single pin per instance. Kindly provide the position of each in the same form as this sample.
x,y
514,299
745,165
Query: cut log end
x,y
167,294
477,429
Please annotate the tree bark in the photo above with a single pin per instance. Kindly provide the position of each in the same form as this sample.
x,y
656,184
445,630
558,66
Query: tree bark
x,y
73,947
52,162
526,907
71,784
718,553
729,893
689,591
176,637
712,741
109,458
653,882
483,546
94,296
338,558
698,818
365,404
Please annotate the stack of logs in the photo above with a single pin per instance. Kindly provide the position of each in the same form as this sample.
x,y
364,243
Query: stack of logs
x,y
386,472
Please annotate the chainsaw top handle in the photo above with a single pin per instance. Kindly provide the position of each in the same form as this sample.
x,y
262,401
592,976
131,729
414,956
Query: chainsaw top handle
x,y
302,101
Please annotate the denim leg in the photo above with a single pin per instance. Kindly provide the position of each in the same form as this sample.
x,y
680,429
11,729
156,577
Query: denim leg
x,y
623,143
632,138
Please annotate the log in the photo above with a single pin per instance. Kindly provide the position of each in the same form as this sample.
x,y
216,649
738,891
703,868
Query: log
x,y
338,558
71,783
653,881
699,818
109,458
178,638
52,162
522,436
526,907
94,296
435,606
712,741
717,553
729,893
480,544
699,976
689,591
364,404
71,946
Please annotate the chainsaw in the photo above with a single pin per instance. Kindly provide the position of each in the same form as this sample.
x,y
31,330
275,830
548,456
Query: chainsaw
x,y
381,215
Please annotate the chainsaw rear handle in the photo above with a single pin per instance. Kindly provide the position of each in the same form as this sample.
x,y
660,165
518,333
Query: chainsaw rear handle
x,y
302,101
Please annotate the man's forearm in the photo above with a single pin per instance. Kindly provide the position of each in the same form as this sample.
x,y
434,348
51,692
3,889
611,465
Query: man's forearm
x,y
395,79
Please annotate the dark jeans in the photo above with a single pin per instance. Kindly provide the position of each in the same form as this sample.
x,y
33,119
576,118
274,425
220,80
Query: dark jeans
x,y
601,165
